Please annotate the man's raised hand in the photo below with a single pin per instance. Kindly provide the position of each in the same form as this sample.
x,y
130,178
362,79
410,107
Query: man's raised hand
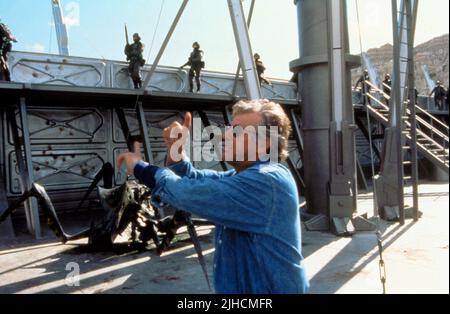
x,y
130,158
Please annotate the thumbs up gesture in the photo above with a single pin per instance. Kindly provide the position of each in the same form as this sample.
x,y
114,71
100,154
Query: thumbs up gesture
x,y
176,137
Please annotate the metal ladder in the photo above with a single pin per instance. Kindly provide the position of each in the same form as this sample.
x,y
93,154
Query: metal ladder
x,y
432,135
381,113
399,118
404,100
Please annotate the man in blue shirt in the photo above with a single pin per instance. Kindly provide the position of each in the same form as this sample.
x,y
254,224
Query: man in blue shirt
x,y
255,207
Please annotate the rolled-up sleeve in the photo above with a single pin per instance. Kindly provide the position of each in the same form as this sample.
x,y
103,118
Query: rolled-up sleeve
x,y
244,202
145,173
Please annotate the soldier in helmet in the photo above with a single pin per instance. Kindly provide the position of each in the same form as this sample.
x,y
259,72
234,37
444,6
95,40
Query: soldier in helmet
x,y
362,79
387,86
439,95
447,98
197,64
6,38
134,55
260,68
365,88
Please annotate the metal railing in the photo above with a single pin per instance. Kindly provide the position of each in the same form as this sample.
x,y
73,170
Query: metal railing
x,y
432,141
48,69
431,125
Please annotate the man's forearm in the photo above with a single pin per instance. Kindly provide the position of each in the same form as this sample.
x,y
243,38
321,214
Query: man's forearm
x,y
145,173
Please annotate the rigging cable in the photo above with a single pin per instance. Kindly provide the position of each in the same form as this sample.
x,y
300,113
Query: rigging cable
x,y
156,28
138,96
375,202
51,37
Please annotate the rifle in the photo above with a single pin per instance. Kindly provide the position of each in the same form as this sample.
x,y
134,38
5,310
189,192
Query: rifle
x,y
126,35
127,47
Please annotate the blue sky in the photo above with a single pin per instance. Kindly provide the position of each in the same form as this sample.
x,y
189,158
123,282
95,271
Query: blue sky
x,y
96,28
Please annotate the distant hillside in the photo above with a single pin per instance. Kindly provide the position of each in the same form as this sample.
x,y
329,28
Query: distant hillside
x,y
431,56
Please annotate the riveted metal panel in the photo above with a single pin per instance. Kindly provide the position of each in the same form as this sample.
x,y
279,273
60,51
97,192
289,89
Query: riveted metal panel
x,y
280,91
58,70
49,69
53,125
165,79
69,146
59,169
156,122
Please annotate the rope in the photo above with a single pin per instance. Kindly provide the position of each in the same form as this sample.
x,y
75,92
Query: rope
x,y
89,42
156,28
367,116
375,202
148,56
51,37
149,51
359,28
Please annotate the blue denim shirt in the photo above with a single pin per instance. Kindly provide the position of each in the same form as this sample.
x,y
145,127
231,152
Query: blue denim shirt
x,y
256,213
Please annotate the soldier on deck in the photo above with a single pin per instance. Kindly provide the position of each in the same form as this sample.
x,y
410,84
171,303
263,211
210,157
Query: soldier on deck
x,y
260,68
6,38
362,79
197,64
387,86
134,56
439,95
365,87
447,98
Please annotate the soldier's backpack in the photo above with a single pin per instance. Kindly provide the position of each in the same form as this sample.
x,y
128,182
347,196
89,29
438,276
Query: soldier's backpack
x,y
440,92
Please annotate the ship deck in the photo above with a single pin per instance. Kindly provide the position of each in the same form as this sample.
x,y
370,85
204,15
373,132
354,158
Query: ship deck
x,y
43,94
416,257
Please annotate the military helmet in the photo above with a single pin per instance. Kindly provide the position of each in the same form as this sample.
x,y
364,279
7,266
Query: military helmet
x,y
196,44
137,35
257,56
6,32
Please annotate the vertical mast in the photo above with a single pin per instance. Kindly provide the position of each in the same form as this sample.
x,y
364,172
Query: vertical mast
x,y
61,29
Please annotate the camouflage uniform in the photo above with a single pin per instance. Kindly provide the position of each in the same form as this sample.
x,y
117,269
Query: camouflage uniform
x,y
196,63
260,68
365,88
5,47
134,55
439,96
447,98
387,86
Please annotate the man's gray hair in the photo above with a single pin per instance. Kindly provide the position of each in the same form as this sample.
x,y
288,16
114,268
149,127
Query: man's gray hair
x,y
272,114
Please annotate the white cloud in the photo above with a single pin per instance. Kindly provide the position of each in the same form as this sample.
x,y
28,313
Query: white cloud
x,y
71,21
37,47
72,14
